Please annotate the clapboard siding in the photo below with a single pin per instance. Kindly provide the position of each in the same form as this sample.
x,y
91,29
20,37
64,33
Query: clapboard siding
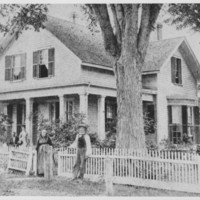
x,y
67,64
166,88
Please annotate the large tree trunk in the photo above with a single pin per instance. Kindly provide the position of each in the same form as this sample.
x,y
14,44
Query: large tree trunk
x,y
130,128
127,43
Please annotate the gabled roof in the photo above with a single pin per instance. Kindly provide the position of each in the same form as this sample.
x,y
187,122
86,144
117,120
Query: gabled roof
x,y
87,46
90,49
159,51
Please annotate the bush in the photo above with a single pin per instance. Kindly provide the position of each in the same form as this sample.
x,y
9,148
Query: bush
x,y
61,133
4,121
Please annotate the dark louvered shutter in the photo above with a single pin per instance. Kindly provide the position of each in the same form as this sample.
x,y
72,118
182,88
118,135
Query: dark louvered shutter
x,y
184,119
173,67
169,114
169,108
179,71
196,122
35,63
51,60
23,66
8,65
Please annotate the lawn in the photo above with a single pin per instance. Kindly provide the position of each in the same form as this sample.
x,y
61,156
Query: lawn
x,y
18,185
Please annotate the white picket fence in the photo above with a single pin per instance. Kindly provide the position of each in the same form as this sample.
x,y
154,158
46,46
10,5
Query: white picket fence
x,y
170,170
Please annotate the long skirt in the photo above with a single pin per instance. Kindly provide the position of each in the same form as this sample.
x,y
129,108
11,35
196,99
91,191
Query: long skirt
x,y
40,160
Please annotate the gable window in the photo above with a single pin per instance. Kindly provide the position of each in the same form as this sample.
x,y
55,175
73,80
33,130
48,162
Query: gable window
x,y
69,109
15,66
43,63
176,70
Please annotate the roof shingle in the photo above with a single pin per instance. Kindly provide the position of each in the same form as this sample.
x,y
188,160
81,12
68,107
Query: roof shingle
x,y
88,47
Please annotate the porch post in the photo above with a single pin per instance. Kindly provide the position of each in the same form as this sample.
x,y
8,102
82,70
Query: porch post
x,y
101,117
83,107
29,110
14,118
62,108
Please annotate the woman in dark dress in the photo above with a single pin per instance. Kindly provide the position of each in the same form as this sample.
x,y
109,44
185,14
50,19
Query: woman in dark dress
x,y
42,141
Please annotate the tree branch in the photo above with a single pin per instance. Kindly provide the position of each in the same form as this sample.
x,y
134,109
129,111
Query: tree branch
x,y
110,41
117,25
131,28
149,15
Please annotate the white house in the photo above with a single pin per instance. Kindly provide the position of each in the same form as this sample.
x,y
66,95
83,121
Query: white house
x,y
64,69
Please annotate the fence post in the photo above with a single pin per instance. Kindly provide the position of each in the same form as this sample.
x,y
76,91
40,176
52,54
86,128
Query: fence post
x,y
109,176
198,159
59,163
34,161
48,162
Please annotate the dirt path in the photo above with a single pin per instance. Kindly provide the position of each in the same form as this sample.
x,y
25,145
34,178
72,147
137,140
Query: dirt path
x,y
13,185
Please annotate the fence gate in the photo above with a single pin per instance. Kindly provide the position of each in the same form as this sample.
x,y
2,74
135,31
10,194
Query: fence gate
x,y
179,171
24,161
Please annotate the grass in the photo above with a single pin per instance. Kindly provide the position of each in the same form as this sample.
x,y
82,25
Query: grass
x,y
18,185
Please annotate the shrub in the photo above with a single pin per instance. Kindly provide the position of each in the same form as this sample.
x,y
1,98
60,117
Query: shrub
x,y
4,121
61,133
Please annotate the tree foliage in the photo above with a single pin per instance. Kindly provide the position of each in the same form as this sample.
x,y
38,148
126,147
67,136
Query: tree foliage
x,y
185,15
4,121
61,133
17,17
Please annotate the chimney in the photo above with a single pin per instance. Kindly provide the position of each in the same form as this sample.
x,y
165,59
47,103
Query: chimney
x,y
159,31
74,17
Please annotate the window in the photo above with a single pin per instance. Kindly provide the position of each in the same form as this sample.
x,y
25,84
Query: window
x,y
176,70
110,114
69,109
15,66
43,63
53,111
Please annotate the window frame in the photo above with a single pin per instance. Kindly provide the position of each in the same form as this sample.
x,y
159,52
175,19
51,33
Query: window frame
x,y
176,73
36,65
66,108
9,70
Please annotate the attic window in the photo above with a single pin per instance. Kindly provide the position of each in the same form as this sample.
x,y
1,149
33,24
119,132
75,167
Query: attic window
x,y
43,63
15,67
176,70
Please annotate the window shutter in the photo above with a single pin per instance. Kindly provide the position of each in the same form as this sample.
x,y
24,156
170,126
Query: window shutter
x,y
23,65
23,72
173,65
169,114
36,58
179,71
184,119
8,65
35,63
51,55
196,115
7,74
196,122
51,69
35,70
51,60
8,61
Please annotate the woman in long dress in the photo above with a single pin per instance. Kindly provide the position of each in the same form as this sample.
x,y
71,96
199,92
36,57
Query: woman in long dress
x,y
43,140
